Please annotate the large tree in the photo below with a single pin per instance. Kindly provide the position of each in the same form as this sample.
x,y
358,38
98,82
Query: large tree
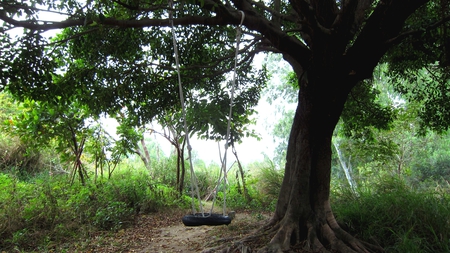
x,y
332,45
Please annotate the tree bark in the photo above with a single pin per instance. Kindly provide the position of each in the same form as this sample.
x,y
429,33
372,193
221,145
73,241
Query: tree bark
x,y
327,73
303,210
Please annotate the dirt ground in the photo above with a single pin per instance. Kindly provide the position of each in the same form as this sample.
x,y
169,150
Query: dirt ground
x,y
164,232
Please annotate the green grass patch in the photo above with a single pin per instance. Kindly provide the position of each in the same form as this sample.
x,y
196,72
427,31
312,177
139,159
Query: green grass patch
x,y
397,217
47,211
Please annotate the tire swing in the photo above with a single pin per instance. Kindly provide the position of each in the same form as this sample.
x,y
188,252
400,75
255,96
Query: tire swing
x,y
202,218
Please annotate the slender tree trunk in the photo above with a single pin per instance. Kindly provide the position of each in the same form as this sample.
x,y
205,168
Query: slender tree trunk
x,y
183,170
241,171
146,154
179,161
346,166
78,162
77,149
143,154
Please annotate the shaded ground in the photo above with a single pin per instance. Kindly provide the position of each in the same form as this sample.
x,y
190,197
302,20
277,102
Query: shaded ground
x,y
165,233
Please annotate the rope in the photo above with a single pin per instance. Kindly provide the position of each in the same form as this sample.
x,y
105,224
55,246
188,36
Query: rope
x,y
230,115
194,182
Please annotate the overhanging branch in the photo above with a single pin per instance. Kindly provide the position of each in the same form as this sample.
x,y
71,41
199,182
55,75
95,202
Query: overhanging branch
x,y
402,36
277,37
42,25
385,23
146,22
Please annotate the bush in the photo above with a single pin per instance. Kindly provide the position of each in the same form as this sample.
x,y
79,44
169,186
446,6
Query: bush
x,y
270,180
35,213
397,217
263,187
17,158
438,171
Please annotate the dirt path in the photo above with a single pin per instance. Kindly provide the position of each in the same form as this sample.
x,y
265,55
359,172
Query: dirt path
x,y
179,238
164,232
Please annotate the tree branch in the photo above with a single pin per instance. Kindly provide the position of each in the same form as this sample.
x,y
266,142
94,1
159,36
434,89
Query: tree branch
x,y
385,23
138,8
325,12
397,39
278,38
348,21
352,15
146,22
30,8
42,25
276,14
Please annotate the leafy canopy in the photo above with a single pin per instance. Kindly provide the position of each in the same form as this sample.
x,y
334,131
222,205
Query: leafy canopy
x,y
129,71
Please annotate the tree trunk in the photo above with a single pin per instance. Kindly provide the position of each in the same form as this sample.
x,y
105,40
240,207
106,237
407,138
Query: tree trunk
x,y
77,149
179,161
183,170
241,171
347,167
303,210
148,162
142,156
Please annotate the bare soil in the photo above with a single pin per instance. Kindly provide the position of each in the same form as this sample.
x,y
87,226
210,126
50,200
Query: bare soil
x,y
164,232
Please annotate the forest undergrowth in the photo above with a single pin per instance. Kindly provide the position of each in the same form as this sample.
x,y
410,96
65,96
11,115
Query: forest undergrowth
x,y
46,213
42,212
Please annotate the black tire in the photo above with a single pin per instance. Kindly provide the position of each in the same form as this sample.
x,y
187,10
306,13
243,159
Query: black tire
x,y
198,219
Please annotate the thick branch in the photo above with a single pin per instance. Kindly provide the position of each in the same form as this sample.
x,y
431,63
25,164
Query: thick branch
x,y
225,16
325,11
47,25
279,39
139,8
42,25
351,16
360,12
384,23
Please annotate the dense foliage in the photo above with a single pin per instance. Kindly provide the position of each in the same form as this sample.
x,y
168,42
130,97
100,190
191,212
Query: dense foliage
x,y
46,213
116,58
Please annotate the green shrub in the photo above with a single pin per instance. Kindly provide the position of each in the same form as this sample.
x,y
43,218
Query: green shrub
x,y
37,213
207,178
19,159
398,217
429,175
263,186
257,202
112,216
270,180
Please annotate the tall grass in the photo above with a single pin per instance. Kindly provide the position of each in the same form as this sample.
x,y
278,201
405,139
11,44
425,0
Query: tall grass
x,y
43,211
263,184
39,213
396,216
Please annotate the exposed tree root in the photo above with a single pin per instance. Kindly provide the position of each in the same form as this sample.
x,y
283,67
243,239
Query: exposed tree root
x,y
325,237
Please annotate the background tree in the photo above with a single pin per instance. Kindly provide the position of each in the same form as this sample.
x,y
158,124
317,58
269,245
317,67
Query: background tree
x,y
333,46
68,125
281,94
16,154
